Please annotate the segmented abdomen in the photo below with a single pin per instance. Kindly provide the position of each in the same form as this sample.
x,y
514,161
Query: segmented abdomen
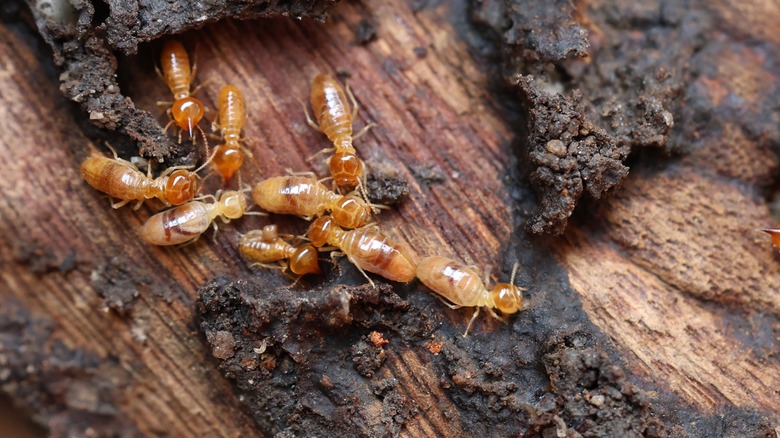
x,y
115,178
375,252
177,225
176,68
452,280
331,110
231,113
301,196
255,249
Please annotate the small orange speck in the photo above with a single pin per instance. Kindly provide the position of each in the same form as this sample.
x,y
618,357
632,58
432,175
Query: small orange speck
x,y
775,233
435,347
377,339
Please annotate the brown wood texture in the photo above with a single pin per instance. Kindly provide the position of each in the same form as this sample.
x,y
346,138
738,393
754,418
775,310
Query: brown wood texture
x,y
433,113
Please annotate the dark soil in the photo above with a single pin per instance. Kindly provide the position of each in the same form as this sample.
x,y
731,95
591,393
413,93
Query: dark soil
x,y
305,360
71,391
622,97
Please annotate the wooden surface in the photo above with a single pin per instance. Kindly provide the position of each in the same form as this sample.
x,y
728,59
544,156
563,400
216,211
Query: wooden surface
x,y
659,282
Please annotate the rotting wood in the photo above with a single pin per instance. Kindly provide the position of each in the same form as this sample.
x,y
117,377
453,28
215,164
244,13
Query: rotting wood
x,y
117,316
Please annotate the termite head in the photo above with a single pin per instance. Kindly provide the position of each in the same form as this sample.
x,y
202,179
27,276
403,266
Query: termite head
x,y
269,233
187,113
320,230
351,212
181,187
233,204
305,261
227,161
507,298
346,168
775,233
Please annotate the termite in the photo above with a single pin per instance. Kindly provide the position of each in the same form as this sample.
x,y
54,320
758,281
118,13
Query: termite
x,y
266,246
306,197
186,111
229,156
334,119
121,179
367,248
187,222
462,287
775,234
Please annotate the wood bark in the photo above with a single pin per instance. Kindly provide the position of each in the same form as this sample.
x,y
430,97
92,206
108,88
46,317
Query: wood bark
x,y
669,269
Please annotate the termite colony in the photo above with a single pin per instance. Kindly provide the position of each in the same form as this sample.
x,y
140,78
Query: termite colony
x,y
341,217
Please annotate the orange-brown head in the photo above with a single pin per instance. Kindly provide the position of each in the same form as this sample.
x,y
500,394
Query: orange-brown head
x,y
351,212
305,261
269,233
775,234
320,230
507,298
181,187
227,161
346,169
187,113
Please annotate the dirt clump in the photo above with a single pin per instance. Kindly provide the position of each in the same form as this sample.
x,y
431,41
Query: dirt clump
x,y
299,359
70,390
600,87
569,154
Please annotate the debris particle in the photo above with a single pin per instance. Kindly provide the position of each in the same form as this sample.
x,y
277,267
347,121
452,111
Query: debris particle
x,y
435,347
366,32
377,339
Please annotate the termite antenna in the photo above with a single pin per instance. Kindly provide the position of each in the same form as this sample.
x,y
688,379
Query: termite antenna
x,y
205,141
206,163
168,125
514,272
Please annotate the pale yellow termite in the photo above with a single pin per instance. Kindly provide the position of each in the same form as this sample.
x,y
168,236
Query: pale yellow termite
x,y
367,248
462,287
187,222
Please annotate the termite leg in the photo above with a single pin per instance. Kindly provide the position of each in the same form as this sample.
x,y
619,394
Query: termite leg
x,y
362,271
354,102
476,312
216,229
116,205
450,305
494,315
364,130
267,266
201,85
308,117
323,151
246,150
118,158
194,69
311,175
159,73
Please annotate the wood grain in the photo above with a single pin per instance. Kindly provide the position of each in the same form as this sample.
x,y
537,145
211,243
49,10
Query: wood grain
x,y
165,381
657,280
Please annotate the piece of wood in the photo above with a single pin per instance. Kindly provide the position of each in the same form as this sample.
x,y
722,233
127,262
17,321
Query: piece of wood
x,y
100,331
